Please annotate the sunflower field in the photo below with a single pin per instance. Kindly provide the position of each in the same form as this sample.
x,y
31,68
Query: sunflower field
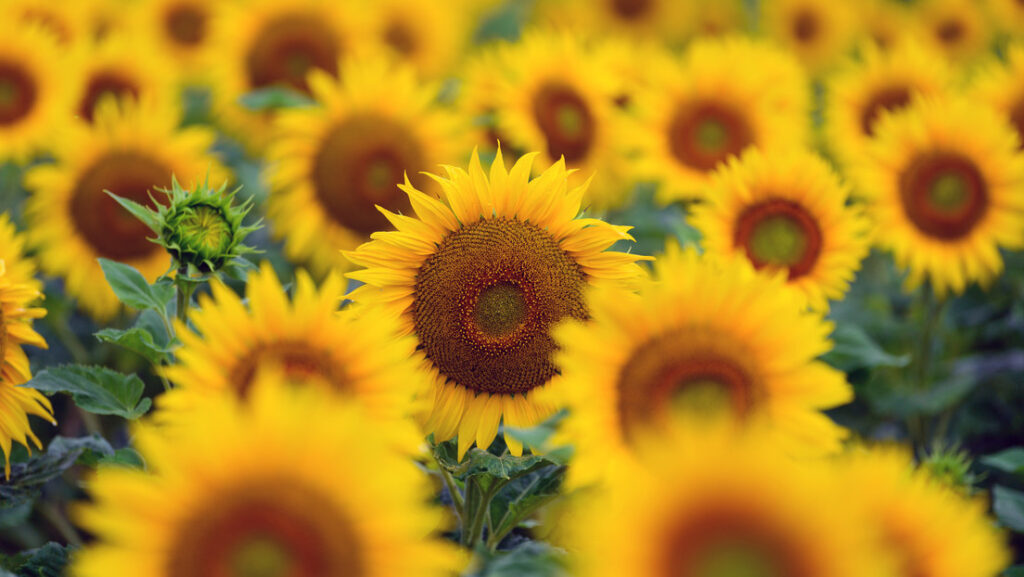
x,y
512,288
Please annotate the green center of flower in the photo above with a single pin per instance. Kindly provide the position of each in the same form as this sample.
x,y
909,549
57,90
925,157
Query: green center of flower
x,y
703,134
17,93
735,559
565,120
943,194
778,240
702,396
261,557
949,192
779,233
206,231
500,309
712,135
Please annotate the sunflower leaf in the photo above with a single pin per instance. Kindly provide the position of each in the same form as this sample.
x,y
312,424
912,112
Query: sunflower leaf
x,y
1009,461
273,98
146,215
1009,508
50,560
132,288
529,558
27,479
137,340
854,349
95,389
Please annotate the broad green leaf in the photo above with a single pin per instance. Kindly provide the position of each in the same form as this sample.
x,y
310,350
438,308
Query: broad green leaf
x,y
532,558
901,400
137,340
95,389
124,457
854,349
478,462
1015,571
132,288
50,560
1009,507
1010,461
273,98
28,478
521,498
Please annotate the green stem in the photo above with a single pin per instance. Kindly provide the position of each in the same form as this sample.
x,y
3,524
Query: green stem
x,y
453,490
185,290
933,309
90,421
54,517
478,514
69,339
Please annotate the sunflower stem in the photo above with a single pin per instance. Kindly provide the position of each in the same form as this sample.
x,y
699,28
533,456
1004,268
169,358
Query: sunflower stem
x,y
933,309
453,490
185,290
477,510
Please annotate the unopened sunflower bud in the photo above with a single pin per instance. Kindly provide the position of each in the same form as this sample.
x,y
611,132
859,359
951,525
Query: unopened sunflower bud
x,y
951,466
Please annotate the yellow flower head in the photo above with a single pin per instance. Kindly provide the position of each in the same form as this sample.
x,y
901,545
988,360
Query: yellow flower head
x,y
956,28
479,277
285,484
179,28
706,339
942,180
786,212
638,20
129,150
819,32
1000,85
430,36
332,165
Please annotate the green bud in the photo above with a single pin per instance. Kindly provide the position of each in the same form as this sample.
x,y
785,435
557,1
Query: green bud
x,y
950,466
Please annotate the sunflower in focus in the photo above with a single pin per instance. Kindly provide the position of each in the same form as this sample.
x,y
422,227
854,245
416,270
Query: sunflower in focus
x,y
122,67
129,150
786,212
942,180
480,277
332,165
710,503
819,32
32,91
1001,85
927,527
180,28
706,339
701,113
956,28
558,97
16,316
879,83
428,35
666,21
266,44
216,499
305,338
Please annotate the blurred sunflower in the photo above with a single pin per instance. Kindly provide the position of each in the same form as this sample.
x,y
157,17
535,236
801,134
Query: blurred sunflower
x,y
20,269
428,35
693,511
786,212
218,498
718,17
267,43
701,113
32,90
878,83
885,23
1001,85
65,22
331,165
708,338
16,315
1007,15
123,67
180,28
819,32
663,21
129,150
480,79
305,338
930,530
942,180
479,277
557,97
956,28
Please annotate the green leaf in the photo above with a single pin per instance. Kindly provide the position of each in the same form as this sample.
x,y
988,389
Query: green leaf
x,y
1015,571
28,478
1009,508
147,216
854,349
137,340
537,436
532,558
1010,461
124,457
274,97
95,389
132,288
523,497
478,462
50,560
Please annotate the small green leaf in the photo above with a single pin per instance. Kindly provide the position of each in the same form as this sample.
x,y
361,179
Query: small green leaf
x,y
50,560
95,389
1010,461
273,98
132,288
147,216
1009,508
1015,571
28,478
532,558
854,349
137,340
124,457
523,497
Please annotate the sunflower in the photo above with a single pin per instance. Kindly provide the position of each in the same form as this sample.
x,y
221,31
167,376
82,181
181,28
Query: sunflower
x,y
330,165
16,315
786,212
480,79
878,83
1001,85
942,179
707,337
819,32
218,498
20,269
479,278
128,150
119,66
931,530
430,36
1008,15
64,22
663,21
305,338
885,23
956,28
710,503
180,28
32,90
701,112
718,17
557,97
268,43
